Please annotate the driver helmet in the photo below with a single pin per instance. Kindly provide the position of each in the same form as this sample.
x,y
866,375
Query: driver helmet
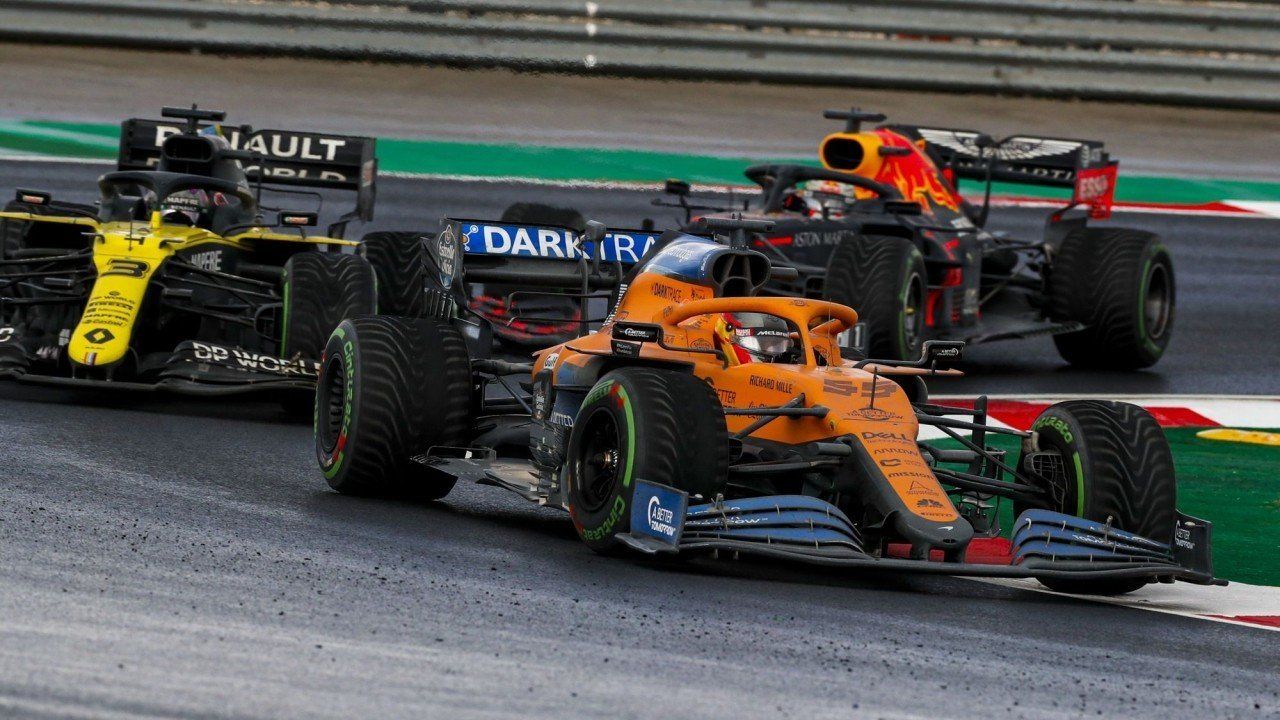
x,y
832,187
186,207
756,337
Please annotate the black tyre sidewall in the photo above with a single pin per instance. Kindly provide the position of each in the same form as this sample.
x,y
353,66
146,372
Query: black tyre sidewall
x,y
341,355
875,280
599,527
1095,439
1100,278
406,386
319,291
671,431
400,268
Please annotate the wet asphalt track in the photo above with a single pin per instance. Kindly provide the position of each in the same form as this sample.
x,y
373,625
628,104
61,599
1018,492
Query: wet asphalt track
x,y
162,558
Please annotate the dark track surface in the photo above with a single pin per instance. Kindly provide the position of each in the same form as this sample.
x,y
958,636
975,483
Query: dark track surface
x,y
166,558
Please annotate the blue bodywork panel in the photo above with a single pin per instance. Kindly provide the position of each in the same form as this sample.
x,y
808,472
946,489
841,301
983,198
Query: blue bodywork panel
x,y
551,243
1055,536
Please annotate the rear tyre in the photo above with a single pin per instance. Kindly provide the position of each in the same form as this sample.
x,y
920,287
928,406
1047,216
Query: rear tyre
x,y
884,279
389,389
1120,284
664,426
399,261
321,289
1115,467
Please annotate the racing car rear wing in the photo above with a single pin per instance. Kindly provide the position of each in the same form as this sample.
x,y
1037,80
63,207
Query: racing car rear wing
x,y
307,159
1082,165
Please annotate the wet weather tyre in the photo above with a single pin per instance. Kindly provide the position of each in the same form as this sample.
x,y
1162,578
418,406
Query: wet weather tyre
x,y
321,290
1115,467
1120,284
400,263
663,426
389,389
884,280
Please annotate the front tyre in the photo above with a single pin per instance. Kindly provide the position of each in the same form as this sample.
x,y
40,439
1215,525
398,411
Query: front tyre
x,y
1119,283
638,423
1108,462
389,389
883,279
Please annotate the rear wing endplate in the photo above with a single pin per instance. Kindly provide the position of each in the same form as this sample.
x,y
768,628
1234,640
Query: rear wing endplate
x,y
307,159
1082,165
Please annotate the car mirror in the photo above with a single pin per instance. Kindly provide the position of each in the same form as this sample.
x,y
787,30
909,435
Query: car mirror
x,y
941,351
298,219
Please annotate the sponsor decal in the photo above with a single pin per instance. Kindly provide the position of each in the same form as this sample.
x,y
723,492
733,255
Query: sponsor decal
x,y
622,348
553,243
1182,537
890,462
251,361
658,511
99,336
560,418
640,333
768,383
208,260
874,414
600,390
667,292
919,488
893,437
927,503
550,362
605,528
7,334
447,255
1057,424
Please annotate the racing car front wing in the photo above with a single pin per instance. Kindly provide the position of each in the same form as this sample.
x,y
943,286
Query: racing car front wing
x,y
1046,545
193,368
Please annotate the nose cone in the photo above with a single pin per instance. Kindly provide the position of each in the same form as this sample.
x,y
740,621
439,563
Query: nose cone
x,y
925,535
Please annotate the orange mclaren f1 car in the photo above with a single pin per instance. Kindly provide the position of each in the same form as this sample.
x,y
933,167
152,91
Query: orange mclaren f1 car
x,y
700,417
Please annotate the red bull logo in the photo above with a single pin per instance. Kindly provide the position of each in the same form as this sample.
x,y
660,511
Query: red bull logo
x,y
915,176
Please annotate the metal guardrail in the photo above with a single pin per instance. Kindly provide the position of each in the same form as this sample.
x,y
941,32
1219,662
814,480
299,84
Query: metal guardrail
x,y
1213,54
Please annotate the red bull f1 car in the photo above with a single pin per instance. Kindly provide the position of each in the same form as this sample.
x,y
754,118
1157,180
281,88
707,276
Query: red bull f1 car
x,y
701,416
881,227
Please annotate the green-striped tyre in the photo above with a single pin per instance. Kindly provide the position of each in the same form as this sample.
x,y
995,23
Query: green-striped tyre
x,y
884,279
1108,462
664,426
1119,283
391,388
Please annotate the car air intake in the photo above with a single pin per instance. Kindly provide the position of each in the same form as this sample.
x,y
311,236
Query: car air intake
x,y
739,273
187,154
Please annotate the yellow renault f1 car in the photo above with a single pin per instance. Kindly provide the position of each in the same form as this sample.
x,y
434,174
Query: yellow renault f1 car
x,y
176,280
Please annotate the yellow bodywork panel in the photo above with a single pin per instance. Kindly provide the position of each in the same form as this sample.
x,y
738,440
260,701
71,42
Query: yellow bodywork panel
x,y
126,255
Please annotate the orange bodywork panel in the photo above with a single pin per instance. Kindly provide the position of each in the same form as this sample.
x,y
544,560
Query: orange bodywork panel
x,y
860,403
